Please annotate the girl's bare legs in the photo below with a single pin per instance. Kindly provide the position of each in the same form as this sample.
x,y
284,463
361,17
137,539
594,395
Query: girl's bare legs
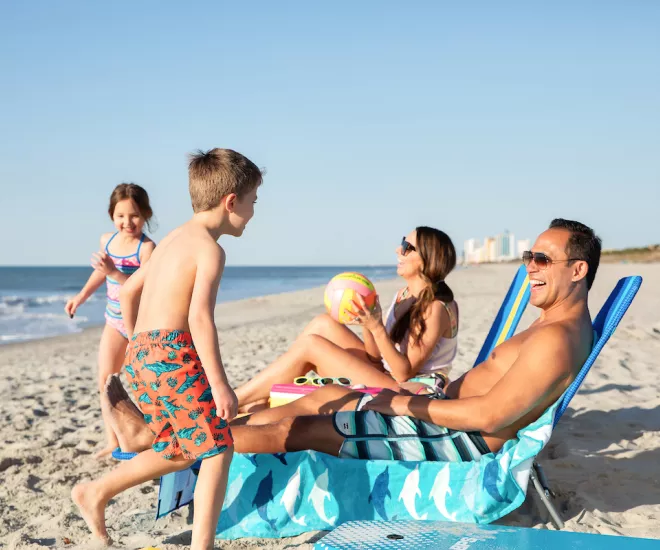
x,y
111,355
324,356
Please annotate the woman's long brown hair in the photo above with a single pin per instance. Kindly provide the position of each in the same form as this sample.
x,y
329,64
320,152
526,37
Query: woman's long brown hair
x,y
438,259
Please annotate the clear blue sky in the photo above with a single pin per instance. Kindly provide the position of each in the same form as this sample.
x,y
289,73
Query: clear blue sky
x,y
370,118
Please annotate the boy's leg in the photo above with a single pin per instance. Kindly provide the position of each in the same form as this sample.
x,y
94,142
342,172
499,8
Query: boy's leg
x,y
112,350
92,497
210,492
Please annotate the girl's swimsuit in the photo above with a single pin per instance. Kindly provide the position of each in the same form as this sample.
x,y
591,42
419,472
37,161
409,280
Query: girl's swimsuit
x,y
125,264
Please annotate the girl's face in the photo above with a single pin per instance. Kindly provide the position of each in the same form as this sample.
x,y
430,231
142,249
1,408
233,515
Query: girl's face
x,y
127,218
409,261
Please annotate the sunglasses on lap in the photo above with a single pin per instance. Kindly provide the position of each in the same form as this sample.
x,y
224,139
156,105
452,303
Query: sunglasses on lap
x,y
321,381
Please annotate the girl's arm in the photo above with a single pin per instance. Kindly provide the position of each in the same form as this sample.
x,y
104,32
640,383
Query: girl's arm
x,y
91,286
103,263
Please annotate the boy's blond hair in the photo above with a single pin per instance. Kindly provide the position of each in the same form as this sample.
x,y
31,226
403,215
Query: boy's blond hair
x,y
217,173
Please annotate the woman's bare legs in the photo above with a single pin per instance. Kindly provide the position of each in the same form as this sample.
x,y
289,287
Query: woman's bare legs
x,y
322,325
325,400
324,356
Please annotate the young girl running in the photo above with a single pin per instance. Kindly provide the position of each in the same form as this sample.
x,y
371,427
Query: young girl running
x,y
121,253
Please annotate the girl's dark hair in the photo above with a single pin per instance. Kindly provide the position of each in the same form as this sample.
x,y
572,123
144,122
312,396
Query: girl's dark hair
x,y
438,259
137,194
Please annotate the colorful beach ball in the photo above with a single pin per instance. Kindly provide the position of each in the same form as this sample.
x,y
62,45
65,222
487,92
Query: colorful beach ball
x,y
342,290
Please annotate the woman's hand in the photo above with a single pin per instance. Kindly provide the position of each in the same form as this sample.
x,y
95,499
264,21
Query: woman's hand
x,y
103,263
370,319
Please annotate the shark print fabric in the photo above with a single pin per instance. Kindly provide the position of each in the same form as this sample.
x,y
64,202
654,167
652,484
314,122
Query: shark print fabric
x,y
170,387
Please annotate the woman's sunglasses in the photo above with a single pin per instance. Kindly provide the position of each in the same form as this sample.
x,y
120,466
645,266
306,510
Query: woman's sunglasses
x,y
406,247
321,381
541,260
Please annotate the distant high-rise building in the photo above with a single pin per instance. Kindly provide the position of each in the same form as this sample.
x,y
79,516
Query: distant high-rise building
x,y
471,251
523,244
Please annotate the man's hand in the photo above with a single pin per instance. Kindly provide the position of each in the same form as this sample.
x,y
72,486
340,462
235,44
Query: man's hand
x,y
388,402
226,403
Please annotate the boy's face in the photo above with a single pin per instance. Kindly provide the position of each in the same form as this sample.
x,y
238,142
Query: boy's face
x,y
241,211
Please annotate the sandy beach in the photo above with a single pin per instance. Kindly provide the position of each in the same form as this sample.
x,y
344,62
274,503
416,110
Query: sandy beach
x,y
602,459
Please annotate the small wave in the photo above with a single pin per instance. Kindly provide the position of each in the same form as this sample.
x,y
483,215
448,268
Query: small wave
x,y
17,304
30,326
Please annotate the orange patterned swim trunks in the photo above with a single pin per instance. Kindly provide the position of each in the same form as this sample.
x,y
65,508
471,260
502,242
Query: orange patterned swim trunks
x,y
170,387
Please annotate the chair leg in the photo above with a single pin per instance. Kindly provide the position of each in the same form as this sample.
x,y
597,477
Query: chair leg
x,y
541,486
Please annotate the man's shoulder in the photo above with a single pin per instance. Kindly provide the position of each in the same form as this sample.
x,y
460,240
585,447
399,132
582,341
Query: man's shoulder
x,y
554,332
560,339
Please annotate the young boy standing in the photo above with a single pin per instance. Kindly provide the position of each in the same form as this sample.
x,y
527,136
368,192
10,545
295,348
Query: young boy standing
x,y
173,358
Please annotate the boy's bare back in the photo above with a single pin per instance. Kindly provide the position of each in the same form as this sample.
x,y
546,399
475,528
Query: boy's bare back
x,y
187,262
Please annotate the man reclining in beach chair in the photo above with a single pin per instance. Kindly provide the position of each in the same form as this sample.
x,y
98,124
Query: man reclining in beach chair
x,y
487,406
478,412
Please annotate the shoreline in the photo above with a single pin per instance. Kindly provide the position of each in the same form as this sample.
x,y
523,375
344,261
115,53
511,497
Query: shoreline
x,y
291,296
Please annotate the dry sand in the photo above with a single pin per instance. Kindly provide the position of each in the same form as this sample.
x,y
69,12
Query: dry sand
x,y
603,459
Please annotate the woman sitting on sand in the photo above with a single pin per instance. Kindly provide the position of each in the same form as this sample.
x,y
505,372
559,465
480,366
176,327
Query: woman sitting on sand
x,y
418,338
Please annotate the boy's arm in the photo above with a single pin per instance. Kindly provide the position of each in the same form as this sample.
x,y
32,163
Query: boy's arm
x,y
210,266
129,298
545,360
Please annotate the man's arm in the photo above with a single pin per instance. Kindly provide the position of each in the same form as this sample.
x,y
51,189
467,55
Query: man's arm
x,y
129,298
544,362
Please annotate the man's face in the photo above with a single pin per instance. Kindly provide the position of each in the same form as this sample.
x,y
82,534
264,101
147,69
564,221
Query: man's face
x,y
551,275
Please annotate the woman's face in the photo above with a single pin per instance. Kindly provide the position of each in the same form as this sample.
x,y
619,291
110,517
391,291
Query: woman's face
x,y
409,261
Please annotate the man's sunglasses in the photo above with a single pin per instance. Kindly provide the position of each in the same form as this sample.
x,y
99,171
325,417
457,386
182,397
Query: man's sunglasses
x,y
406,247
541,260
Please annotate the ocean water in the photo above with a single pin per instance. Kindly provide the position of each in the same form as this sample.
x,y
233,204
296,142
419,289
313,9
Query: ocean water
x,y
32,299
